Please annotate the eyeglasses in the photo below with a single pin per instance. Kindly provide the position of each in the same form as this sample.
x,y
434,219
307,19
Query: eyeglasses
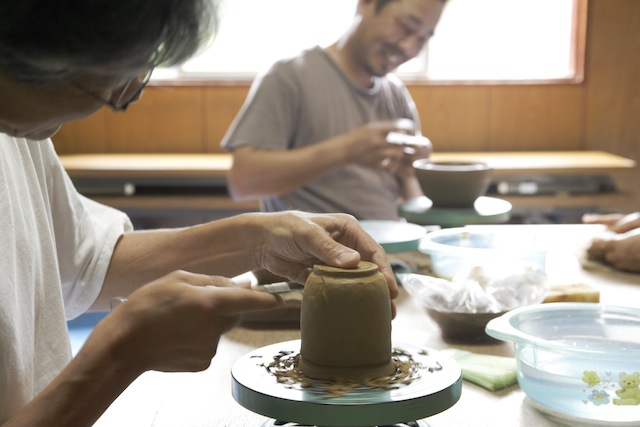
x,y
128,95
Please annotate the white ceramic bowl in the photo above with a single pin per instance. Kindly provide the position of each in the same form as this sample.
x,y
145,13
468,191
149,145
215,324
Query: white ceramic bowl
x,y
578,362
452,184
455,250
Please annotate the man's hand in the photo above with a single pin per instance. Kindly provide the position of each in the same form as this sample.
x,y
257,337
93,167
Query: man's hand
x,y
292,242
618,223
174,323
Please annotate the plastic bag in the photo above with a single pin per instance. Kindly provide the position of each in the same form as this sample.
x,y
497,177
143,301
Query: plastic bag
x,y
479,289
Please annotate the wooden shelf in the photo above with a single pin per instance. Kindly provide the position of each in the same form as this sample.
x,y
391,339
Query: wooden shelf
x,y
544,162
217,165
146,165
212,170
568,201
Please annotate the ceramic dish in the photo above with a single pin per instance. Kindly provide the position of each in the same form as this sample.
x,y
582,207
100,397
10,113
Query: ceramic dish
x,y
462,326
453,184
577,362
394,236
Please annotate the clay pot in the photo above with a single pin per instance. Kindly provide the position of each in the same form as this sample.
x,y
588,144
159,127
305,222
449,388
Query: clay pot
x,y
346,324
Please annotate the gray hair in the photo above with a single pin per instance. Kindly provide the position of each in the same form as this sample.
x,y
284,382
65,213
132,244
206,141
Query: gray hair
x,y
45,41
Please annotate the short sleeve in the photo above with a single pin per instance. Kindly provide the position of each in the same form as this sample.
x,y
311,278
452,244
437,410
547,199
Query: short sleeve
x,y
86,233
268,116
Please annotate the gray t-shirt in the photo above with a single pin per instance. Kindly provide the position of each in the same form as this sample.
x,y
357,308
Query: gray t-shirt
x,y
306,99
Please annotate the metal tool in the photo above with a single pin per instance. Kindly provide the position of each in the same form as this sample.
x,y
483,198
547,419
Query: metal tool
x,y
288,291
279,287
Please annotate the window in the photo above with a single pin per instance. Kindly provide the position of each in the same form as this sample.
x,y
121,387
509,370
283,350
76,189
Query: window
x,y
476,41
500,40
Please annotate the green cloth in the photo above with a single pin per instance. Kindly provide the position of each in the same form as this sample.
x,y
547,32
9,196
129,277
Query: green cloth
x,y
488,371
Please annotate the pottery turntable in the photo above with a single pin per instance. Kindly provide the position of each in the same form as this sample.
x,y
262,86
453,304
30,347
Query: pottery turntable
x,y
485,210
434,385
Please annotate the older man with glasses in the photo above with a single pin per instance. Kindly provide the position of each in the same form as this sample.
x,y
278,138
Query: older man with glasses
x,y
62,254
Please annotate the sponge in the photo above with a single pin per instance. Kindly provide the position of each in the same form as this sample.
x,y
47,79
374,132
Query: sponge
x,y
575,292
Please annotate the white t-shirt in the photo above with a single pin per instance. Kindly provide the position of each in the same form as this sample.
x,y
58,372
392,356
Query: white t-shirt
x,y
55,248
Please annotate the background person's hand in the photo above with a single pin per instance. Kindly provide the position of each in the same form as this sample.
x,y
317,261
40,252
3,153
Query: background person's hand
x,y
411,154
622,251
618,223
294,241
368,144
174,323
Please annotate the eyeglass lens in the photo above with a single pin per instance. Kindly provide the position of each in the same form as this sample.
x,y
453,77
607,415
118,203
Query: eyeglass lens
x,y
131,91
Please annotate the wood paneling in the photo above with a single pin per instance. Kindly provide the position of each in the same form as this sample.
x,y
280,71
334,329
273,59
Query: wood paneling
x,y
502,118
612,119
88,135
221,104
167,119
535,118
454,118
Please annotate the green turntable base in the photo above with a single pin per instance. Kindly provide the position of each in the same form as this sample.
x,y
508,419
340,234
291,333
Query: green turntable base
x,y
436,388
486,210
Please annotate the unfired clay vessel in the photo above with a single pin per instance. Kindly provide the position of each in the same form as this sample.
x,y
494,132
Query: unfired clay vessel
x,y
345,324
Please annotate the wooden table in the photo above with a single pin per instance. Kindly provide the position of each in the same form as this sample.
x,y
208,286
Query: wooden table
x,y
204,399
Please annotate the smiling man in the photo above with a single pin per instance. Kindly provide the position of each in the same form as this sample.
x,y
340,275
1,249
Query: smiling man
x,y
312,134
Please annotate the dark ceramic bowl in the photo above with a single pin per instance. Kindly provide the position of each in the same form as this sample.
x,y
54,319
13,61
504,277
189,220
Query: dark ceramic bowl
x,y
463,326
453,184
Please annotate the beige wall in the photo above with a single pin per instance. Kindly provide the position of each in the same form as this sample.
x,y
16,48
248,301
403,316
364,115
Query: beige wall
x,y
603,113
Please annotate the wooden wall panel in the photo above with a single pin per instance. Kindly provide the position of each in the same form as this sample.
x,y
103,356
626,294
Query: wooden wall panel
x,y
88,135
613,82
535,118
221,104
454,118
166,119
613,113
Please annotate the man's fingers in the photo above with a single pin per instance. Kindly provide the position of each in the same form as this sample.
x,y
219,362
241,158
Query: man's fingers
x,y
228,297
233,301
606,219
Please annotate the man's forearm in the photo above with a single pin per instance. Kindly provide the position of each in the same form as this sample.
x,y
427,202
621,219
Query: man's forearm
x,y
411,187
222,248
257,173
